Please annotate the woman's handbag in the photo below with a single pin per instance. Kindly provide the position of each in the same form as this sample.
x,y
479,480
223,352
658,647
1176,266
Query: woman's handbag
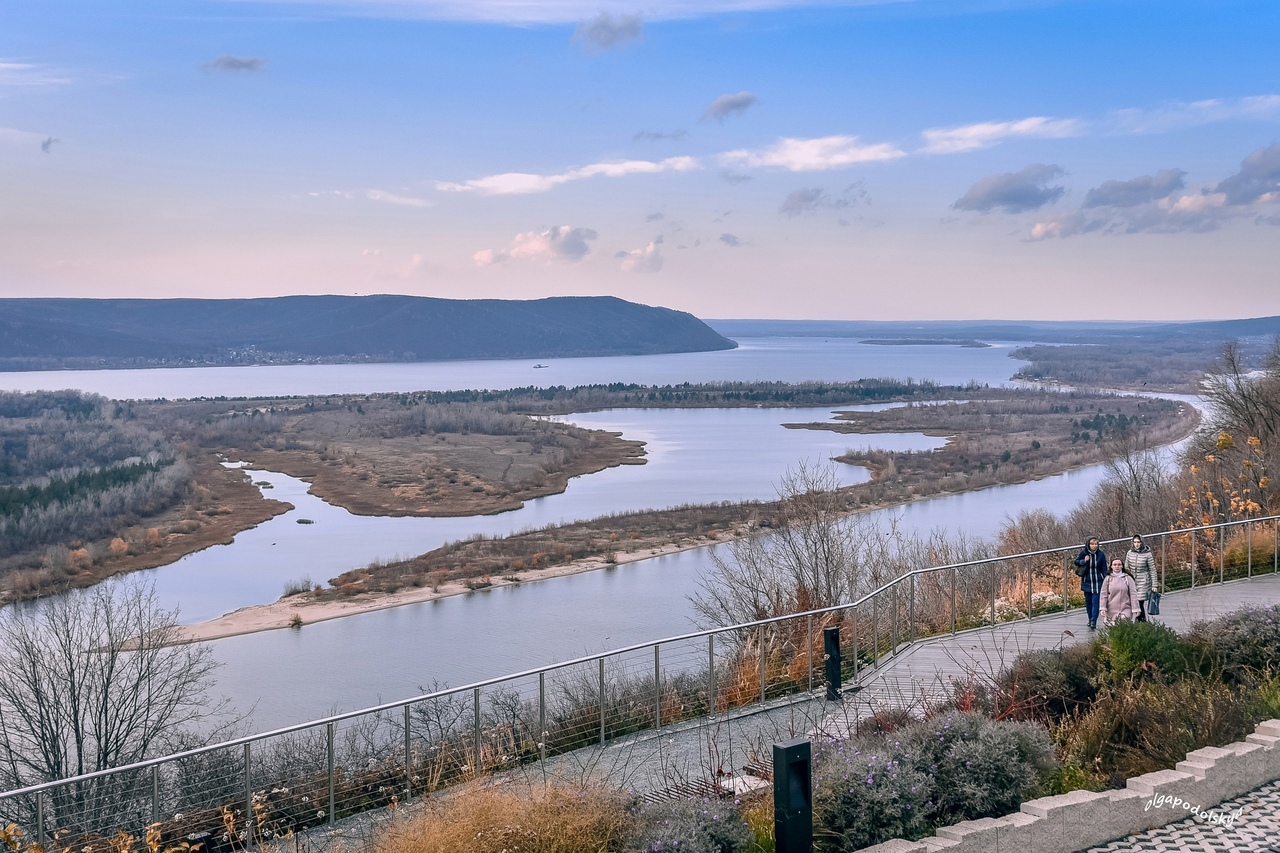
x,y
1153,603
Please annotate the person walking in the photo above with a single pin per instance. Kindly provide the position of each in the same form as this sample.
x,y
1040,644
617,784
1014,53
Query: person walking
x,y
1119,595
1141,565
1091,567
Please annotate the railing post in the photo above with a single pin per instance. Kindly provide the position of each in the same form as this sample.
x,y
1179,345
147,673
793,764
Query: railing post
x,y
602,701
1275,546
711,674
248,794
40,817
1222,554
1248,533
542,715
1031,582
808,634
857,660
993,593
764,663
875,629
1192,537
1164,560
408,758
911,609
657,688
953,600
333,793
155,793
475,730
1066,580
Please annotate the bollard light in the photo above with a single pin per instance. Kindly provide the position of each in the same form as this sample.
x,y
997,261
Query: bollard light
x,y
831,658
792,797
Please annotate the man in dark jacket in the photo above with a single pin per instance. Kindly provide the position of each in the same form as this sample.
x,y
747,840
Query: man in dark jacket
x,y
1091,566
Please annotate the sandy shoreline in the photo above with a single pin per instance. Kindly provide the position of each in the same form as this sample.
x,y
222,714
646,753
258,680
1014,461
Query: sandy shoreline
x,y
281,613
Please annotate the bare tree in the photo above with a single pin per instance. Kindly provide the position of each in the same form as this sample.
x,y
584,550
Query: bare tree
x,y
94,680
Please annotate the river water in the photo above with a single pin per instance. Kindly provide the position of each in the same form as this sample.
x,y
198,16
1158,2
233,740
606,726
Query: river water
x,y
694,456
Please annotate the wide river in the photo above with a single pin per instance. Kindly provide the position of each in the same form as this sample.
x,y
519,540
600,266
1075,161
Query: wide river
x,y
694,456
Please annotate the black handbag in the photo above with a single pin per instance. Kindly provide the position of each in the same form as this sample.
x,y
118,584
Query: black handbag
x,y
1153,603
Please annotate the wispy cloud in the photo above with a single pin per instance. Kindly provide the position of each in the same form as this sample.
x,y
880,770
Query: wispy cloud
x,y
235,64
812,155
972,137
1013,192
727,106
1192,114
392,198
809,200
520,183
559,243
730,240
658,135
1136,191
46,144
14,73
606,31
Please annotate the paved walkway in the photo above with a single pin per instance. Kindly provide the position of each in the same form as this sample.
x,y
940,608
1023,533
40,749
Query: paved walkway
x,y
926,672
1255,830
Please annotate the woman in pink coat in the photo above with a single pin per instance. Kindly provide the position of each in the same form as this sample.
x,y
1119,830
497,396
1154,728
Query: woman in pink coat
x,y
1119,596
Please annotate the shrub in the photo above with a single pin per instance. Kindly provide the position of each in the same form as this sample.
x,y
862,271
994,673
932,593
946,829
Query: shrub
x,y
1242,645
554,820
1139,727
979,768
1047,684
951,767
690,826
1131,649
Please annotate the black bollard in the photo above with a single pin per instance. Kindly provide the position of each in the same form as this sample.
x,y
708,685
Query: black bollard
x,y
792,797
831,661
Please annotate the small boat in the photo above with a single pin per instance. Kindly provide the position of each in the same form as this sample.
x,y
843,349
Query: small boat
x,y
540,366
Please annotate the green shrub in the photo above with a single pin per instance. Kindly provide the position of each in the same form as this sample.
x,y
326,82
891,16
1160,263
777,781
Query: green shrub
x,y
1243,646
952,767
1142,650
690,826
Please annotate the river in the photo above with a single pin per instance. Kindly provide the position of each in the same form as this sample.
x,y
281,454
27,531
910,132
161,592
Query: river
x,y
693,456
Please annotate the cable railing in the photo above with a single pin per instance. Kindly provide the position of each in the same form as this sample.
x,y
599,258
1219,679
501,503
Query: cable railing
x,y
251,789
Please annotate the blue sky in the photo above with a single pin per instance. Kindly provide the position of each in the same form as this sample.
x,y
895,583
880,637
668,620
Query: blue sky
x,y
918,159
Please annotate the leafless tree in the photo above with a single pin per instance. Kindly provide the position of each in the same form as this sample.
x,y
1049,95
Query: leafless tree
x,y
91,681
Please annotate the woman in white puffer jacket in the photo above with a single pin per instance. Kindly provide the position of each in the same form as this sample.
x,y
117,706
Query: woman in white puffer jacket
x,y
1141,564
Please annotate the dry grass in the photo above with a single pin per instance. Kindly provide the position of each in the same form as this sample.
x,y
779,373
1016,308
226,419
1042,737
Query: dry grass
x,y
502,820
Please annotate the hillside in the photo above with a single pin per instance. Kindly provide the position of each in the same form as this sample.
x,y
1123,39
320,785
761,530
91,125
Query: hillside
x,y
46,333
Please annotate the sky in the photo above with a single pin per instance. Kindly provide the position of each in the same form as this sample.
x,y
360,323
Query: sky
x,y
875,160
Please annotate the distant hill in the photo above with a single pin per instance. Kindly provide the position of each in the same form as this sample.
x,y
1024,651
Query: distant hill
x,y
44,333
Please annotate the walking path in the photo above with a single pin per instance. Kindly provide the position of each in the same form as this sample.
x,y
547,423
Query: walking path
x,y
1255,830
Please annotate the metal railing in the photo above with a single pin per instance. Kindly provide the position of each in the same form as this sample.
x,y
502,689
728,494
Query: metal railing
x,y
243,791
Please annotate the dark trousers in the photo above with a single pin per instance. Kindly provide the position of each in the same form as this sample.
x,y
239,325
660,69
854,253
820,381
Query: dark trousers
x,y
1142,610
1091,605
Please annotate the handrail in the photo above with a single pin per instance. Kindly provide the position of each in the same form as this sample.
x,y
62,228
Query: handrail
x,y
598,656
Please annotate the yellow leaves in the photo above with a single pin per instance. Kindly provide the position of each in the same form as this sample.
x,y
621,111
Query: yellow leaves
x,y
11,835
1225,441
1210,458
1264,482
1255,442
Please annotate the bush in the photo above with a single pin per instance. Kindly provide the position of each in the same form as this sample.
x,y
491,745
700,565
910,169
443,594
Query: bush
x,y
690,826
1243,645
1140,727
1047,684
979,768
1142,650
953,767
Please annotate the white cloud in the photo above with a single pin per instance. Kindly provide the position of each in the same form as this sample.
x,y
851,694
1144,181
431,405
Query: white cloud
x,y
811,155
1178,115
648,259
14,73
392,198
972,137
561,242
519,183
